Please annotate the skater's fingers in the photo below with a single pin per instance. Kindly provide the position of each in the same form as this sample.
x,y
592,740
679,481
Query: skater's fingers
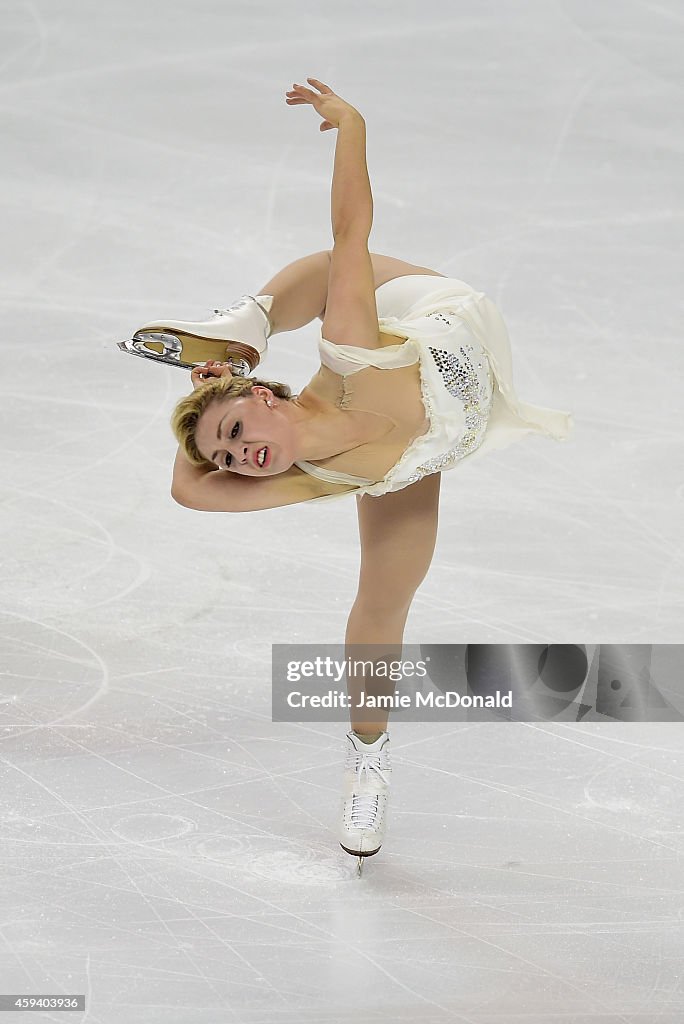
x,y
201,374
319,85
299,93
211,364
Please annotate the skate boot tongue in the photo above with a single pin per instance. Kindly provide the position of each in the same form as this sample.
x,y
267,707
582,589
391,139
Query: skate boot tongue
x,y
365,748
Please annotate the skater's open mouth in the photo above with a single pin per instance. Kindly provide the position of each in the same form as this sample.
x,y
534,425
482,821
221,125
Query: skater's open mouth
x,y
262,457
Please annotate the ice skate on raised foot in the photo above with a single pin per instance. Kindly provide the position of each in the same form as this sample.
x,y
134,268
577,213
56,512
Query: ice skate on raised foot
x,y
367,776
239,333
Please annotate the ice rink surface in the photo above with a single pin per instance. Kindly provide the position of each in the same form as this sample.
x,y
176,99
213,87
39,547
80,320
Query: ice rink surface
x,y
166,848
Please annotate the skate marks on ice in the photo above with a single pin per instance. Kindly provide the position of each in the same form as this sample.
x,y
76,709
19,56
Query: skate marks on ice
x,y
269,857
276,858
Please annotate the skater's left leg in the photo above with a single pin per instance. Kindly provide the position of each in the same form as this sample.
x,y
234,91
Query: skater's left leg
x,y
383,632
372,639
398,533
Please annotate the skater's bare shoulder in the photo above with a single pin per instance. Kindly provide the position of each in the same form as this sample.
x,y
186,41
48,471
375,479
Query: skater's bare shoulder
x,y
230,492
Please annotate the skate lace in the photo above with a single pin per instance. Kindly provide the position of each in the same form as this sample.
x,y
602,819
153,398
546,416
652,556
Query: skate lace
x,y
363,811
241,304
364,806
238,304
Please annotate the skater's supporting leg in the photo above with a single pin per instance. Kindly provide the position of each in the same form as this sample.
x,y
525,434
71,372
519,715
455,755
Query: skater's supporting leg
x,y
377,639
398,532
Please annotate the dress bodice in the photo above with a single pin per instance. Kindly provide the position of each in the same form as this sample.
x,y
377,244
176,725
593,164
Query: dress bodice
x,y
447,389
393,394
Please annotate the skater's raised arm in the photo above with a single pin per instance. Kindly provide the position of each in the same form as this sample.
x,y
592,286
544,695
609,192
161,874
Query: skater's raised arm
x,y
351,198
351,315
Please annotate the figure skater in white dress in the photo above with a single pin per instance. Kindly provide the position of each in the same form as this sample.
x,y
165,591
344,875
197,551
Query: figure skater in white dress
x,y
415,378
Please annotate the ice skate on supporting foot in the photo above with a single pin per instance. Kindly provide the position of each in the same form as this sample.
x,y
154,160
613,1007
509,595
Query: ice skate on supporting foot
x,y
367,776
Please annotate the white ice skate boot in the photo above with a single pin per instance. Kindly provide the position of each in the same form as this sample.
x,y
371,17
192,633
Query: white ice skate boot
x,y
367,776
239,333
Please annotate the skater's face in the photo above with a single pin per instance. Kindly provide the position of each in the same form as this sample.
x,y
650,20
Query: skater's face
x,y
232,432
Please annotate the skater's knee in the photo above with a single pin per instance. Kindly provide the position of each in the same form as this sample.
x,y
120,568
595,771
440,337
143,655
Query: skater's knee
x,y
380,615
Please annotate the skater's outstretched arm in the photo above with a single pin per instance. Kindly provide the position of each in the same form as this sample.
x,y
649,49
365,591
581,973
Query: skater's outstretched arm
x,y
230,492
207,490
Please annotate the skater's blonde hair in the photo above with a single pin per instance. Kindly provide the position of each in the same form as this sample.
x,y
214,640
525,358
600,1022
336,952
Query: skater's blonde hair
x,y
190,408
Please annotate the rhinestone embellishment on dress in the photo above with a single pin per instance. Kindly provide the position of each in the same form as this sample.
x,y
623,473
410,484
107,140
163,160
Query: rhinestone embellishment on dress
x,y
461,379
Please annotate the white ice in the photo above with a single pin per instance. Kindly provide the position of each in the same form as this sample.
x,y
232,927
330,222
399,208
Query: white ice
x,y
167,849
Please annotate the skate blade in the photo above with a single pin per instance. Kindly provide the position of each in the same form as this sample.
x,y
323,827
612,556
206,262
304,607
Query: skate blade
x,y
187,351
361,857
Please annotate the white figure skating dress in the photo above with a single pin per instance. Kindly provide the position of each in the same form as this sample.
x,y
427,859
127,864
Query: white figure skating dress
x,y
455,365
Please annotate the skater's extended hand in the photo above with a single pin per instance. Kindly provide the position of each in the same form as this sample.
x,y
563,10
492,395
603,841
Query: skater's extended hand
x,y
329,106
199,375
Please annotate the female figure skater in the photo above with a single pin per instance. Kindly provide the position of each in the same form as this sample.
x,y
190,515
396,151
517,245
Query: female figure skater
x,y
415,377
